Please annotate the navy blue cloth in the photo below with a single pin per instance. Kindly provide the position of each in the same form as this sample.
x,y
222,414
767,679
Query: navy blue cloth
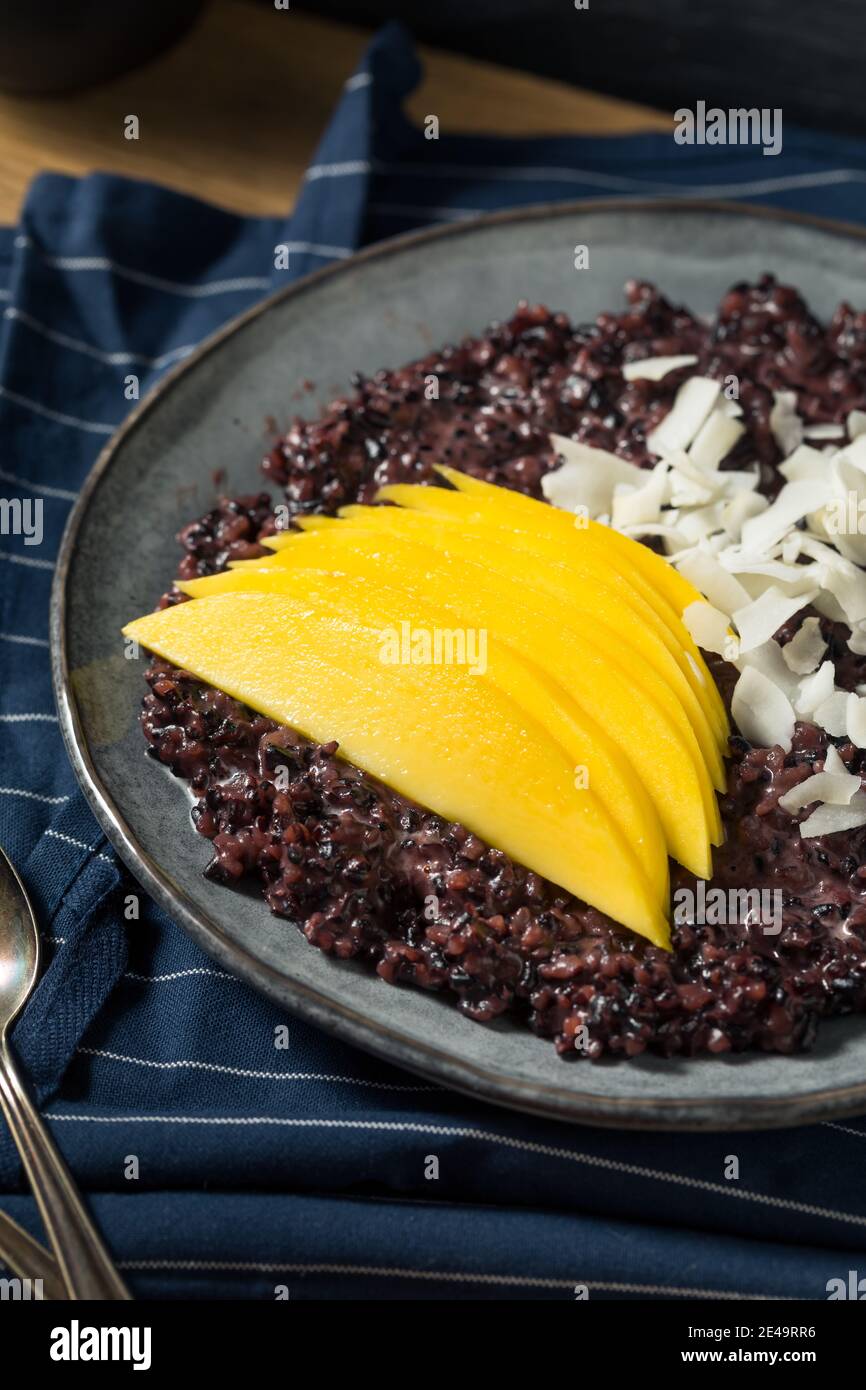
x,y
220,1163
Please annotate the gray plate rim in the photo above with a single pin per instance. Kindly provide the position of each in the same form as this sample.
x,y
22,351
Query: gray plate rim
x,y
742,1112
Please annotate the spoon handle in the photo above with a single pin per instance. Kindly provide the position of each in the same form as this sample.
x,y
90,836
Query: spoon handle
x,y
28,1259
85,1264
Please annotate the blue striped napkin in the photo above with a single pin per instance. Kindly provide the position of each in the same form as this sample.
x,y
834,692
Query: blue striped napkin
x,y
303,1169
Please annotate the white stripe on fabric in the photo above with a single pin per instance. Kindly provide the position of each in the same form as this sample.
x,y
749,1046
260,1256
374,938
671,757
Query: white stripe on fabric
x,y
456,1276
622,183
24,641
181,975
613,182
337,171
79,844
27,560
313,248
61,493
248,1073
28,718
845,1129
34,796
783,184
113,359
361,79
154,282
509,1141
90,426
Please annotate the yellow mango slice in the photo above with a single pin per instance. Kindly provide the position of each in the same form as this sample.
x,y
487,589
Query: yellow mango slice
x,y
435,733
360,586
591,567
656,570
665,758
619,617
526,528
661,576
368,599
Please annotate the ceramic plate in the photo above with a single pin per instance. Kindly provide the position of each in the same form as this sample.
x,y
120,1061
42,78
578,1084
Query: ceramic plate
x,y
380,309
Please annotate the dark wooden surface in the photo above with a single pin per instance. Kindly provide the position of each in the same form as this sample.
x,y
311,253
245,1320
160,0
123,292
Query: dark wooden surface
x,y
805,56
234,111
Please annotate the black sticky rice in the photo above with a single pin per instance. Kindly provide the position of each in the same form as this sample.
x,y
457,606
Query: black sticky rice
x,y
370,876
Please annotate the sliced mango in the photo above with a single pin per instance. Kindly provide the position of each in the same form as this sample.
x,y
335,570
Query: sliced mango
x,y
366,598
662,576
666,759
435,733
536,522
584,641
659,575
618,617
375,596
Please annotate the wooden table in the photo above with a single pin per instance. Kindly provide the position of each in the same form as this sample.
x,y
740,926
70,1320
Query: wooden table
x,y
233,113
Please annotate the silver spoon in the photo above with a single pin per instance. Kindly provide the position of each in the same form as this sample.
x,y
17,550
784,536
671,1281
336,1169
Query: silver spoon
x,y
28,1259
85,1264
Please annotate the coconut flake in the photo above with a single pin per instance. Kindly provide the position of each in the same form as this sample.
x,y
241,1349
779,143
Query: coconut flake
x,y
832,713
796,579
855,720
833,788
756,563
587,478
795,501
855,451
708,627
740,509
843,579
688,495
841,521
785,423
827,431
693,403
815,690
715,439
762,711
733,481
833,761
769,661
827,606
719,587
655,368
758,620
805,462
828,820
643,502
856,424
702,525
805,649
